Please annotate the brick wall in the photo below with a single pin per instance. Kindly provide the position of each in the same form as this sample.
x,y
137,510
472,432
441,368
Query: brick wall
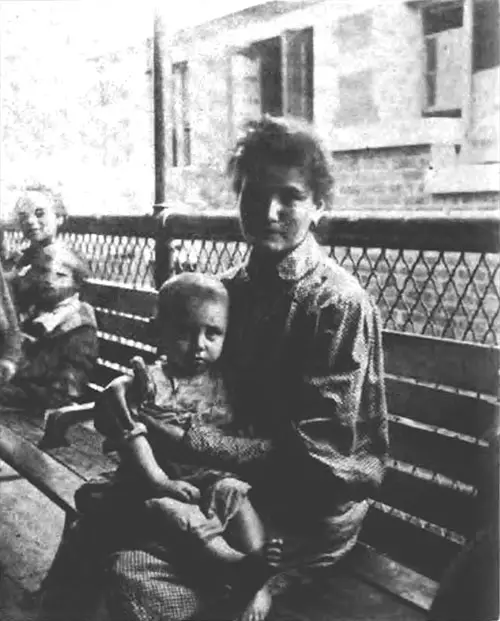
x,y
392,181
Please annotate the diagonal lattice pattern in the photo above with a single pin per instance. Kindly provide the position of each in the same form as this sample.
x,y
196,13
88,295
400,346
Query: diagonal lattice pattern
x,y
116,258
444,294
207,256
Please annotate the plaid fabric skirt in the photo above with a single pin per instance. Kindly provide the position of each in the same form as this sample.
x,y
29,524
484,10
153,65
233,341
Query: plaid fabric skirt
x,y
112,554
148,586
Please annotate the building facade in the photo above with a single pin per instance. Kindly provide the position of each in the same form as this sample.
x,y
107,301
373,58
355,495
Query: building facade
x,y
405,93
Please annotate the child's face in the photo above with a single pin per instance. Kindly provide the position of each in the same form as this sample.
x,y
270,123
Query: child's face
x,y
37,217
53,281
194,337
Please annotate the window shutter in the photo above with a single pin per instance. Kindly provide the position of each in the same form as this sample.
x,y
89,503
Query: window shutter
x,y
298,73
246,90
181,138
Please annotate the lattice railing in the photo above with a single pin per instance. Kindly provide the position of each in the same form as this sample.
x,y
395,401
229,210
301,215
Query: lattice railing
x,y
120,249
438,277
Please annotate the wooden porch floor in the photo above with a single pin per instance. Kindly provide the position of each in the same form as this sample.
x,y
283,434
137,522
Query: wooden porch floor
x,y
30,527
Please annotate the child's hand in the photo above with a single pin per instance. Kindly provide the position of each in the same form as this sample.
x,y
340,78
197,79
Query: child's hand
x,y
180,490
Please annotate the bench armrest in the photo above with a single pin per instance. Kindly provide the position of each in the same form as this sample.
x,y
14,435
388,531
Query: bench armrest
x,y
59,420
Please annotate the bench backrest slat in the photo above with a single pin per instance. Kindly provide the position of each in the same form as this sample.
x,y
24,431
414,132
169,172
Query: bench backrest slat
x,y
133,328
121,353
468,366
119,297
433,451
456,412
434,502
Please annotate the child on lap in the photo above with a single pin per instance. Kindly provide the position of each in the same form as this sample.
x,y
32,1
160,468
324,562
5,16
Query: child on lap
x,y
209,506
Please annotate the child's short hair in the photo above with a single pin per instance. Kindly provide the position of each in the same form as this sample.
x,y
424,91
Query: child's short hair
x,y
68,258
54,197
283,142
178,289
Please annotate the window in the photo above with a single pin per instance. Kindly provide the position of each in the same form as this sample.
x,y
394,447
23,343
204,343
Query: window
x,y
181,131
447,50
445,61
486,45
274,76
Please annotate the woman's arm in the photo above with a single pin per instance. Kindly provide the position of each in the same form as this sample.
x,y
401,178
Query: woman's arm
x,y
337,432
343,425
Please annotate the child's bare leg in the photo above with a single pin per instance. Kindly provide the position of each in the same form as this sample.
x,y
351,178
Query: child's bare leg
x,y
172,515
246,530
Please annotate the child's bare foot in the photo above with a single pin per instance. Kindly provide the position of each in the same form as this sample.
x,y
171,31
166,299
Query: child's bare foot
x,y
273,553
254,571
259,607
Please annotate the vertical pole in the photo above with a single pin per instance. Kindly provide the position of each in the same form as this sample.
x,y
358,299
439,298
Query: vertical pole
x,y
160,97
285,78
468,29
160,103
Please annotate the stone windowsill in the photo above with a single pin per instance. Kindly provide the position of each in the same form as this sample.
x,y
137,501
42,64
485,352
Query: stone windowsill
x,y
429,131
463,179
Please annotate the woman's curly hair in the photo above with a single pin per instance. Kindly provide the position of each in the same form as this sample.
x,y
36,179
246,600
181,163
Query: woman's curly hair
x,y
283,142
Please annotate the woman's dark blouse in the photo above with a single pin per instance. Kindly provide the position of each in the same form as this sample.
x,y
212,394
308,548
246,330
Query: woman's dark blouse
x,y
304,366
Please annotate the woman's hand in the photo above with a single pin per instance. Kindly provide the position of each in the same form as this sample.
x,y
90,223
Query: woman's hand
x,y
168,431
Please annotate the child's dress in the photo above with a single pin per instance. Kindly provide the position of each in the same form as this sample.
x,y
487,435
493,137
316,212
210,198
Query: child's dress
x,y
201,398
59,351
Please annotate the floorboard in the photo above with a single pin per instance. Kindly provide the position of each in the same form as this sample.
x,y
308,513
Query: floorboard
x,y
342,598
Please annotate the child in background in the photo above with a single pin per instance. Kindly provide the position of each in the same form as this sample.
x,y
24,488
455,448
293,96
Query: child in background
x,y
60,333
39,213
209,506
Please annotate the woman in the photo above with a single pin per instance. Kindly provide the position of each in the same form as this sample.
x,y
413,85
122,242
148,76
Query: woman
x,y
304,369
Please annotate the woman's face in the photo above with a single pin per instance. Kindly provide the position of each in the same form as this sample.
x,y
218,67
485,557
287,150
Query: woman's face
x,y
276,209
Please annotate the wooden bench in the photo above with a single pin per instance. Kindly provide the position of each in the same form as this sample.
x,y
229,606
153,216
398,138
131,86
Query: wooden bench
x,y
442,397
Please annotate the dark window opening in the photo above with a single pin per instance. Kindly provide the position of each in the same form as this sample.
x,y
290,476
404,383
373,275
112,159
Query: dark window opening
x,y
444,68
271,79
486,47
